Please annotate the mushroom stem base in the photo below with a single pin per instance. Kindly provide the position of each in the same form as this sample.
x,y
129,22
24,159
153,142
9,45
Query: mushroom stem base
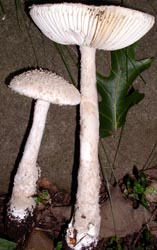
x,y
19,230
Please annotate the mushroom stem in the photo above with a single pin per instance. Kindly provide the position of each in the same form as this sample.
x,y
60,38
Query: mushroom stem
x,y
22,203
85,224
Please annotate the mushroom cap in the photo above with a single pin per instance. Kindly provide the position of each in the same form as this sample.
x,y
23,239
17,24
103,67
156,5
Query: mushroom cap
x,y
46,86
101,27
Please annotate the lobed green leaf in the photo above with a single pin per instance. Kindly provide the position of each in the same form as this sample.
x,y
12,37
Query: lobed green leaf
x,y
117,91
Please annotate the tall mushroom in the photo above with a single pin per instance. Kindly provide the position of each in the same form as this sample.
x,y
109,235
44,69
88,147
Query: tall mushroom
x,y
47,88
90,27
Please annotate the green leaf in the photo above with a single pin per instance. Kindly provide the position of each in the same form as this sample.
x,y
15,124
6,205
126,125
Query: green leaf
x,y
150,190
128,183
114,239
139,247
117,91
59,245
147,235
37,199
144,202
138,188
45,195
142,179
61,52
7,245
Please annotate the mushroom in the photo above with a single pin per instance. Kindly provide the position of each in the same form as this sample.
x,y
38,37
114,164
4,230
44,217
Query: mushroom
x,y
90,27
47,88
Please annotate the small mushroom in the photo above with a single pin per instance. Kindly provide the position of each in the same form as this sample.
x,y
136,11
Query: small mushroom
x,y
90,27
47,88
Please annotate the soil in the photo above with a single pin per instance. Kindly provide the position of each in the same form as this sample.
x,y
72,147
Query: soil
x,y
22,47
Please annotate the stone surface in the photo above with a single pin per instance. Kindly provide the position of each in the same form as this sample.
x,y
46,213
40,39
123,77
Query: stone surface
x,y
39,240
119,218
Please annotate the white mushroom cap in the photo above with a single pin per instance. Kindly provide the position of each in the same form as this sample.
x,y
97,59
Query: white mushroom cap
x,y
46,86
101,27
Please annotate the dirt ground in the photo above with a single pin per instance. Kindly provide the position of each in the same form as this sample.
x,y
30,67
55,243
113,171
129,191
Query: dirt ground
x,y
22,47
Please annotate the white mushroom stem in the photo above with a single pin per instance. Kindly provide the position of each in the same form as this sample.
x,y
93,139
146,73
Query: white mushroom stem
x,y
85,223
22,203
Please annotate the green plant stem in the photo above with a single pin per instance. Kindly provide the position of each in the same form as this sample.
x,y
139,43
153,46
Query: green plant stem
x,y
118,146
109,193
151,5
18,8
66,64
108,160
149,157
2,10
71,52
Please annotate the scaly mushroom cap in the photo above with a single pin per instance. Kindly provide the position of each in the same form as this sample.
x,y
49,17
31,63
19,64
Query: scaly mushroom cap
x,y
103,27
46,86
